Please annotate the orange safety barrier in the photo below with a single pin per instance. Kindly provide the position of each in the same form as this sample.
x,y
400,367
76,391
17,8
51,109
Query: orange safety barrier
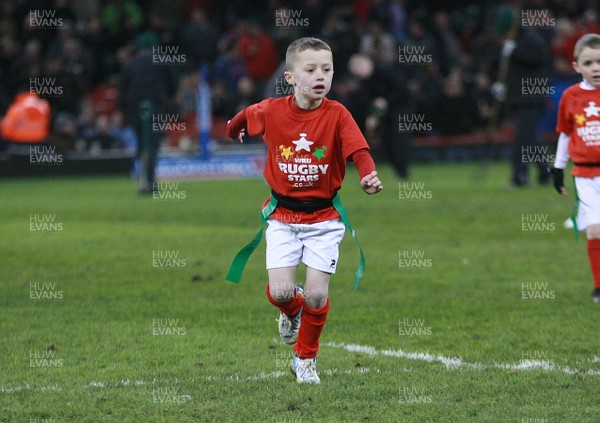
x,y
27,119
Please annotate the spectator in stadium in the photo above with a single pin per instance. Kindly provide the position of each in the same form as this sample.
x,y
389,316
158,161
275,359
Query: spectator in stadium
x,y
9,53
480,95
284,35
566,35
199,29
163,19
63,10
449,46
247,93
64,131
78,62
187,94
378,44
397,19
425,89
146,89
27,65
122,20
528,65
257,49
380,96
64,33
339,33
453,113
229,68
103,138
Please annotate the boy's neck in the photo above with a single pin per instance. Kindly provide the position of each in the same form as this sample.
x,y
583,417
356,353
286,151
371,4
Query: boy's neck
x,y
586,85
307,104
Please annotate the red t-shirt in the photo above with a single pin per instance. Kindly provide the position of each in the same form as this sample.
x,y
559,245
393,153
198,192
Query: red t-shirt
x,y
307,151
579,117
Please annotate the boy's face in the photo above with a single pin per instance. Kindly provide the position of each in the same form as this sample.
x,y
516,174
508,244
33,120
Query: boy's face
x,y
311,74
588,65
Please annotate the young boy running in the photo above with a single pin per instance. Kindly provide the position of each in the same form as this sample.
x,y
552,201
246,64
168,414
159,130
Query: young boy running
x,y
309,140
579,128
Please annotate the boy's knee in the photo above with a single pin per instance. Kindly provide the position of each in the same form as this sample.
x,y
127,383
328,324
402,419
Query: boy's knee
x,y
315,298
593,232
280,292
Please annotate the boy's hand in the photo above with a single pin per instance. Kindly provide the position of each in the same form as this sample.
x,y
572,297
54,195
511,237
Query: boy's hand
x,y
240,137
558,177
371,183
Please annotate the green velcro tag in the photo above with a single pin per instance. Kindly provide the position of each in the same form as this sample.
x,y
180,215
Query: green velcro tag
x,y
575,210
241,258
360,271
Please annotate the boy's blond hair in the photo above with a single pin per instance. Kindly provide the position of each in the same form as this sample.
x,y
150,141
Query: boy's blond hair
x,y
300,45
587,40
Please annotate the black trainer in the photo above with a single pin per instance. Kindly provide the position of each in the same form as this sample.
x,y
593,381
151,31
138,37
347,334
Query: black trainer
x,y
596,295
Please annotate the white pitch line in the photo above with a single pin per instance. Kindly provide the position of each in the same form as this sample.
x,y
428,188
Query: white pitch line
x,y
457,362
231,378
448,362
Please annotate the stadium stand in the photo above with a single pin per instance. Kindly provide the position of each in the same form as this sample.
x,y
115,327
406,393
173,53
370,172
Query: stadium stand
x,y
446,56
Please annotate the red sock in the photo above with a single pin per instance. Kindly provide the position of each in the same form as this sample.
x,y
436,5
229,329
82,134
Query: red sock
x,y
311,327
593,246
290,307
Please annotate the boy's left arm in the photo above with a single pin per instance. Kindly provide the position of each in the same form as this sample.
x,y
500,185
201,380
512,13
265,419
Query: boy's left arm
x,y
369,181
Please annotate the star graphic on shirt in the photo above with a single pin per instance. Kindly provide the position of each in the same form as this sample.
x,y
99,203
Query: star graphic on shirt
x,y
320,152
286,152
580,119
591,110
303,143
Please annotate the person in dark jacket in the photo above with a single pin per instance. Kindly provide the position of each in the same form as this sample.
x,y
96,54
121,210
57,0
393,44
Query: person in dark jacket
x,y
527,91
378,97
147,87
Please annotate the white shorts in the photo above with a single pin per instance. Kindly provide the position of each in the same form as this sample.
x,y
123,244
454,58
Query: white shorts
x,y
317,244
588,190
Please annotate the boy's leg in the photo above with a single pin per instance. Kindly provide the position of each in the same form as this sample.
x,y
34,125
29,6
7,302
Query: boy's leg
x,y
313,320
314,314
321,254
282,293
593,247
588,190
284,251
281,290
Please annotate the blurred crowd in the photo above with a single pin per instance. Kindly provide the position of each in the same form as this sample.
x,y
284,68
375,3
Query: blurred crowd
x,y
433,59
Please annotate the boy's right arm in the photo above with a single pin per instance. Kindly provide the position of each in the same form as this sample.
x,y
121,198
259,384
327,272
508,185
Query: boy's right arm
x,y
236,127
251,120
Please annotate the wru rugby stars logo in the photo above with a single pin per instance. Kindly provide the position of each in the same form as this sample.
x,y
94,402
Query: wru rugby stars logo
x,y
300,167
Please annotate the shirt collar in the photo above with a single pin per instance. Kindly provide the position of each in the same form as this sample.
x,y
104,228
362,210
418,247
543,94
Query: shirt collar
x,y
586,85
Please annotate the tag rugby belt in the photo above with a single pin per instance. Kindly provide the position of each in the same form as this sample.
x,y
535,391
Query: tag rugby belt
x,y
239,262
302,206
587,164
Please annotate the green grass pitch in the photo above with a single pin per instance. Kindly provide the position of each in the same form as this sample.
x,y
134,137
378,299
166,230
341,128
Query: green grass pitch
x,y
475,306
